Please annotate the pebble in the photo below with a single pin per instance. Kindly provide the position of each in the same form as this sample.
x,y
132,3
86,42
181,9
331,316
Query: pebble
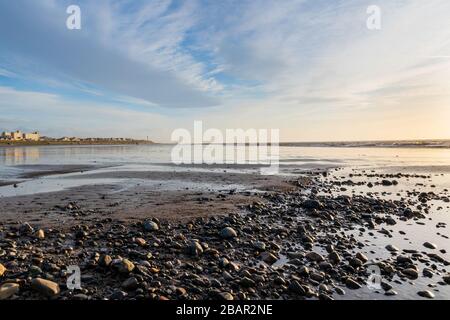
x,y
7,290
426,294
392,248
2,270
352,284
45,287
411,273
228,233
268,257
314,256
124,266
150,226
430,245
194,248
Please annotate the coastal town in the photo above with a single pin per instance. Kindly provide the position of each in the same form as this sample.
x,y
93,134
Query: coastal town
x,y
19,137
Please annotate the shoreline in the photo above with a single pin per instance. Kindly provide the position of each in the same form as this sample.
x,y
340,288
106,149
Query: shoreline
x,y
69,143
305,242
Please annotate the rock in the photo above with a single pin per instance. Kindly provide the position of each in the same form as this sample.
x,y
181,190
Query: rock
x,y
26,228
446,279
392,248
130,284
356,263
45,287
352,284
334,257
361,257
303,271
430,245
314,256
7,290
247,282
312,204
105,260
124,266
259,245
297,288
391,293
40,234
140,242
194,248
411,273
268,257
228,233
226,296
2,270
386,183
426,294
404,259
428,273
150,226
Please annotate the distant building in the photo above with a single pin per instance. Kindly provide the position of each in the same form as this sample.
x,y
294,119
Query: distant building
x,y
17,135
31,136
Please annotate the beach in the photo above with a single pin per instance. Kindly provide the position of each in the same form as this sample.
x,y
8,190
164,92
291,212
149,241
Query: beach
x,y
139,227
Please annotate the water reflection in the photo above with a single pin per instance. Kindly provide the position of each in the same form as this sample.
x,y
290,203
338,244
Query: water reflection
x,y
18,156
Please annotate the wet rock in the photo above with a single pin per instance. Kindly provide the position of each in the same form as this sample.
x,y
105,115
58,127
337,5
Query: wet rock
x,y
391,293
352,284
2,270
45,287
356,263
426,294
411,273
430,245
446,279
130,284
334,257
428,273
247,282
26,228
297,288
392,248
104,260
150,226
228,233
226,296
268,257
361,257
140,242
314,256
194,248
123,266
7,290
40,234
259,245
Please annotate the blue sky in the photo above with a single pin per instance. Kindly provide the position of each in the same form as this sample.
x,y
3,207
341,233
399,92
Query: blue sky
x,y
146,67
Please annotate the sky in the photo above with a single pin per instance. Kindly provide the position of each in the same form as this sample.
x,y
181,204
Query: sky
x,y
310,68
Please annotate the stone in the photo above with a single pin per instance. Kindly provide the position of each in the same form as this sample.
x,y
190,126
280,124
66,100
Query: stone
x,y
430,245
228,233
361,257
259,245
352,284
40,234
314,256
194,248
26,228
130,284
426,294
105,260
2,270
268,257
7,290
392,248
446,279
226,296
247,282
312,204
140,242
150,226
45,287
334,257
297,288
124,266
428,273
411,273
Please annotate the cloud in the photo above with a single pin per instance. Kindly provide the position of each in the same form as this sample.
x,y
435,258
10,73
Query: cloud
x,y
39,36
